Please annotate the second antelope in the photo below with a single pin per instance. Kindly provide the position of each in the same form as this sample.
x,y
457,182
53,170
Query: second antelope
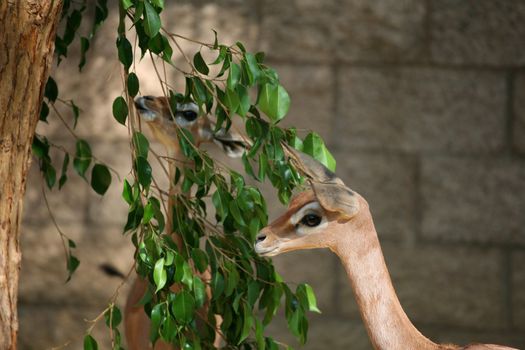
x,y
330,215
164,124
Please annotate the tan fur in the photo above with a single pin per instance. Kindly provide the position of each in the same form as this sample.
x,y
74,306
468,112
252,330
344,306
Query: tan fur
x,y
354,240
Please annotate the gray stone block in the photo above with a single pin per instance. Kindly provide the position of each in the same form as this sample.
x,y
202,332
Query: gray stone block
x,y
445,285
485,32
473,200
518,286
421,110
67,205
311,89
380,31
349,31
387,183
45,326
44,265
298,30
518,130
111,209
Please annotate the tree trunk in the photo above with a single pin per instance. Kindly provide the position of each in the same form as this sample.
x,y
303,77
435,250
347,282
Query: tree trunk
x,y
27,34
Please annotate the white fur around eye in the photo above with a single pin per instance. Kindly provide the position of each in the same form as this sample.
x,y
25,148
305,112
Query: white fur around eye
x,y
182,107
310,208
183,123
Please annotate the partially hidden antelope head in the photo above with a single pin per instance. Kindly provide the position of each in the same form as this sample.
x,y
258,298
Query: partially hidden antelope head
x,y
164,122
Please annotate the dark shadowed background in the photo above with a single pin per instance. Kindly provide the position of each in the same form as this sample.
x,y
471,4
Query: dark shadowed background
x,y
422,104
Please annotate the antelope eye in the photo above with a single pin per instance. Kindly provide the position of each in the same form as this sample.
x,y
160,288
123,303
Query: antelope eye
x,y
189,115
311,220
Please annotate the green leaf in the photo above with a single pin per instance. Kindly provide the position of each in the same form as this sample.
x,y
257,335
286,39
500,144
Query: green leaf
x,y
263,165
183,307
187,275
220,207
90,343
72,265
63,176
217,285
231,281
233,77
113,317
183,272
156,318
274,101
100,178
143,171
44,112
199,64
222,55
254,227
231,100
120,110
215,41
241,46
199,290
158,3
253,66
244,100
84,47
306,295
133,84
259,335
141,144
72,25
76,113
50,174
151,20
170,256
294,322
51,90
159,274
247,323
236,213
127,192
126,4
199,92
200,259
149,211
82,157
125,52
314,146
253,292
40,147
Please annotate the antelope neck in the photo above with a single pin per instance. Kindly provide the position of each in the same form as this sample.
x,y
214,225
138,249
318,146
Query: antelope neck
x,y
387,324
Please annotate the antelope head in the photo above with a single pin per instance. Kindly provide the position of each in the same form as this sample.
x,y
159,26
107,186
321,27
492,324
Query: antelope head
x,y
315,217
156,112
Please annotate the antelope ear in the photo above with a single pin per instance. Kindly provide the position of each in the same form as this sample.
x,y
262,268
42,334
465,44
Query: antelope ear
x,y
311,167
231,143
336,198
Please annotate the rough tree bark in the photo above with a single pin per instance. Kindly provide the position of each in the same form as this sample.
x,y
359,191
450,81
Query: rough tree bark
x,y
27,33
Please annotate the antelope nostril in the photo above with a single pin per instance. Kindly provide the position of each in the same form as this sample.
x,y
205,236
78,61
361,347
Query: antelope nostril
x,y
148,97
260,237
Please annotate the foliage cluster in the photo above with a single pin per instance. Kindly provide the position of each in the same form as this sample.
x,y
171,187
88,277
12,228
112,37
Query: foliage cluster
x,y
246,290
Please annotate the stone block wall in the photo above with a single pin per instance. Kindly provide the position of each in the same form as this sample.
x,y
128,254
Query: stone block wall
x,y
422,103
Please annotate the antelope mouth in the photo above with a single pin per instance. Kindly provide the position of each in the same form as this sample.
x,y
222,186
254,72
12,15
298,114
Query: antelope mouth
x,y
272,251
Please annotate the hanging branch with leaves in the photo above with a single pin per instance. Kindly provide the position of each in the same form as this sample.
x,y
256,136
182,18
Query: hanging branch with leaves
x,y
246,290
